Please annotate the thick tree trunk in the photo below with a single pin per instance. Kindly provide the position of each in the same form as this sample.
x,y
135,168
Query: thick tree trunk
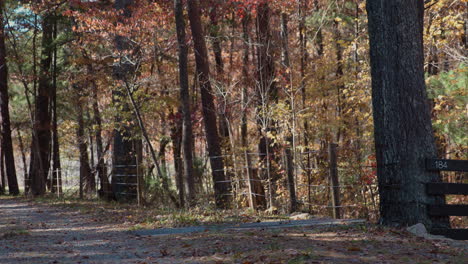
x,y
185,103
402,125
221,187
40,147
6,142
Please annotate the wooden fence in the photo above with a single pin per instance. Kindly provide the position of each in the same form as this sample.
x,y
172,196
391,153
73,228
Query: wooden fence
x,y
441,188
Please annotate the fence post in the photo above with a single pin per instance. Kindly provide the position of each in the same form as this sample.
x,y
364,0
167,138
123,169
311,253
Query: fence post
x,y
334,183
81,181
252,201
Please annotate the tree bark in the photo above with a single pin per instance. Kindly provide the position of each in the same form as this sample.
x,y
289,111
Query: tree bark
x,y
2,172
40,146
57,168
255,201
177,138
23,158
267,94
289,148
221,188
304,58
86,177
6,142
402,125
105,187
187,133
333,180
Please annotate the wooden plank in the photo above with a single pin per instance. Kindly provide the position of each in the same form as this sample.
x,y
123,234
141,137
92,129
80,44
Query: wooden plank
x,y
446,165
449,209
447,188
457,234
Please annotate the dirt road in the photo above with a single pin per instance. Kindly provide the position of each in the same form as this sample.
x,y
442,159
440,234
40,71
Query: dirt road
x,y
37,233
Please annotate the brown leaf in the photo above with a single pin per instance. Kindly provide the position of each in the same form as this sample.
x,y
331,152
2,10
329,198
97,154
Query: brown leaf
x,y
354,249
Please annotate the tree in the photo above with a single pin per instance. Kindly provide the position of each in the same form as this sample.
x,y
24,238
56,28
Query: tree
x,y
40,146
221,187
6,142
87,182
267,95
56,181
289,148
402,125
105,188
185,103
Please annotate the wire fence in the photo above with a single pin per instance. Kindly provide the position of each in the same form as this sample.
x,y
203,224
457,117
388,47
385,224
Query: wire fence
x,y
131,182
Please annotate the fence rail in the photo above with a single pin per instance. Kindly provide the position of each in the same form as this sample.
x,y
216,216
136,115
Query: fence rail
x,y
442,188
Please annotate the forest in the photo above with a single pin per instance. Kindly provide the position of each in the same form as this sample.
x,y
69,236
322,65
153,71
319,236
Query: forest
x,y
233,131
229,104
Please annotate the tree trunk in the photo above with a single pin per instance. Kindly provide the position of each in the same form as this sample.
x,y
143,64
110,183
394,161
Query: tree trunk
x,y
221,187
23,158
222,99
267,94
216,39
187,133
86,177
339,86
255,201
2,172
177,138
6,142
402,125
105,187
40,146
288,151
217,52
333,180
304,59
57,168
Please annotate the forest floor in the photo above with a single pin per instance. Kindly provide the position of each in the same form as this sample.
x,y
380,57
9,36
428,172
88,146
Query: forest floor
x,y
45,232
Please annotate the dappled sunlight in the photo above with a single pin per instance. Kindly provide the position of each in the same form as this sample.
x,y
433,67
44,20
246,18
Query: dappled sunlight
x,y
46,236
